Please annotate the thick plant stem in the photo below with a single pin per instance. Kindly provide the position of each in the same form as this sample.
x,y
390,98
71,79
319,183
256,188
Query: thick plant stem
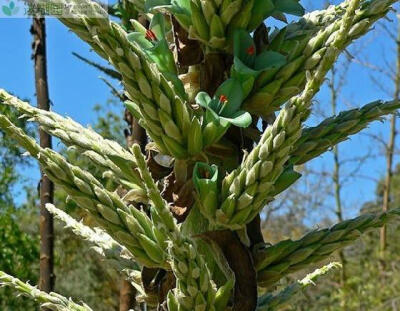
x,y
126,296
46,282
390,153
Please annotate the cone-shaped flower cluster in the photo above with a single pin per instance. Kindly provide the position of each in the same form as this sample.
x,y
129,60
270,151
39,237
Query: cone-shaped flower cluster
x,y
274,262
126,225
157,99
106,154
214,21
248,188
116,254
271,302
305,43
51,301
316,140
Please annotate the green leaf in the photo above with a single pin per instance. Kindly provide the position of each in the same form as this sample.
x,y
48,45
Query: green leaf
x,y
157,4
179,8
242,42
240,119
162,56
290,7
183,4
203,99
232,89
204,175
205,180
157,25
245,75
138,27
178,85
139,38
242,68
158,52
261,10
268,60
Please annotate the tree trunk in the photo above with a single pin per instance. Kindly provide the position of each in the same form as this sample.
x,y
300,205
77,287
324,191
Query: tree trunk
x,y
390,152
46,281
127,295
337,185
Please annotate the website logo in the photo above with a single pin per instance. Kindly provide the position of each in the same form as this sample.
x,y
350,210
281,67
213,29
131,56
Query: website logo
x,y
51,8
10,8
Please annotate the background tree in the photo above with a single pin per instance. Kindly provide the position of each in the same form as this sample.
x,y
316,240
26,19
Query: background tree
x,y
19,251
46,187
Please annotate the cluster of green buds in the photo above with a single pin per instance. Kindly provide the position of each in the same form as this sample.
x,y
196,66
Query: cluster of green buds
x,y
116,255
116,162
304,44
222,111
288,256
50,301
194,289
156,98
263,173
126,224
213,22
249,64
153,41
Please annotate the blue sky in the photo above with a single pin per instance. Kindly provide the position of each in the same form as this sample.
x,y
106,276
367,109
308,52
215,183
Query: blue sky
x,y
75,89
74,86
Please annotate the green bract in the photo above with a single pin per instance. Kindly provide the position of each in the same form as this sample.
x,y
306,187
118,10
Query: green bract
x,y
248,65
205,180
222,110
214,21
153,42
180,8
265,8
